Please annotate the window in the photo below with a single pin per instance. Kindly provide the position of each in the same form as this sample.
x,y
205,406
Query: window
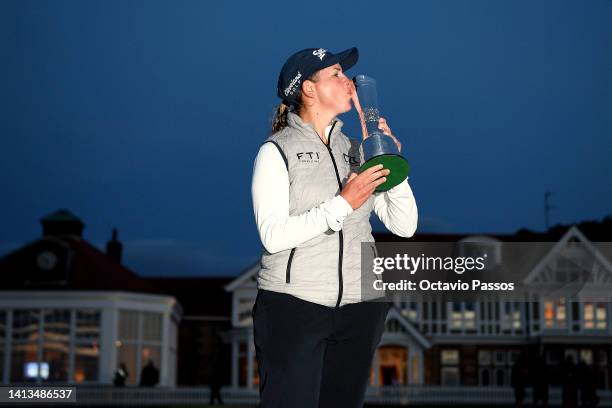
x,y
25,344
555,314
127,354
56,344
602,358
87,325
594,316
511,317
45,341
409,310
484,357
494,366
151,327
393,326
86,362
469,316
128,325
24,362
449,359
463,317
151,338
244,310
87,353
499,357
25,325
139,341
586,355
456,316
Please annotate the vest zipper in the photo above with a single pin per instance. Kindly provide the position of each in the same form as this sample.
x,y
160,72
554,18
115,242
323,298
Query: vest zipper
x,y
288,273
340,235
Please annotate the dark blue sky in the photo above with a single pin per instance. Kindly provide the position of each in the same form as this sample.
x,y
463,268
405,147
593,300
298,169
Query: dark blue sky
x,y
147,115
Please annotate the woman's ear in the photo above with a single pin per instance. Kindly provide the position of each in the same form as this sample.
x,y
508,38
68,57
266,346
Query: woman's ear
x,y
308,89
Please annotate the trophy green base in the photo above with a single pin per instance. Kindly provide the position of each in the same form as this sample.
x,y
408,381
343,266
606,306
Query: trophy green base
x,y
397,164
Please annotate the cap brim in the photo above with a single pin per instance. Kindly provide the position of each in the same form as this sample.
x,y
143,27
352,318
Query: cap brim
x,y
346,58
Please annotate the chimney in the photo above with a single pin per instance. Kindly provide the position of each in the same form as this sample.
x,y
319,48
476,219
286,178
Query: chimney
x,y
62,223
114,248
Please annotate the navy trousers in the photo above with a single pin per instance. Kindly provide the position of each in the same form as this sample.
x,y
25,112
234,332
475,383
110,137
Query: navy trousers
x,y
313,356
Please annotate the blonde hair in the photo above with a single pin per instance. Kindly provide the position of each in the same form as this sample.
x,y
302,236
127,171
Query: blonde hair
x,y
279,122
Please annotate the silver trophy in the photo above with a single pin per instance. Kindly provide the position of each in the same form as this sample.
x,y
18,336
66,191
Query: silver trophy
x,y
377,148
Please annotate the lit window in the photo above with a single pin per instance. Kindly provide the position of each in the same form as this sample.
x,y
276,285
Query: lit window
x,y
139,341
87,350
450,367
463,316
586,355
555,314
511,317
594,316
450,357
409,310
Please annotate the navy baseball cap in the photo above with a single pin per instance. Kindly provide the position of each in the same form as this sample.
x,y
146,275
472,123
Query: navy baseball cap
x,y
301,65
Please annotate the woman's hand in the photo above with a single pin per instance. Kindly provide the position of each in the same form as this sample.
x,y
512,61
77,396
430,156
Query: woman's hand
x,y
382,125
360,187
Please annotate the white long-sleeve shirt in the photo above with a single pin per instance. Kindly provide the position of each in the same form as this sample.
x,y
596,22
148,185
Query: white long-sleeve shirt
x,y
279,231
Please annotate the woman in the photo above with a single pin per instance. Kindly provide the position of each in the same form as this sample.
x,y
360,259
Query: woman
x,y
315,336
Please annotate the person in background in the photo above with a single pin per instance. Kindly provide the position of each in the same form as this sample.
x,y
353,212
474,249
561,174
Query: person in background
x,y
149,377
121,375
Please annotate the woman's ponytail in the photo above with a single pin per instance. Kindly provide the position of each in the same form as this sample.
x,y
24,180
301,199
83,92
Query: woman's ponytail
x,y
280,117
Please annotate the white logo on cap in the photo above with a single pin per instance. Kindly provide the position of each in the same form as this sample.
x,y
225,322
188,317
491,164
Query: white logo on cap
x,y
290,89
319,53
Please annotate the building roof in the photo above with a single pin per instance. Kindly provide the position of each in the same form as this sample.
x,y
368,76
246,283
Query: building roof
x,y
67,263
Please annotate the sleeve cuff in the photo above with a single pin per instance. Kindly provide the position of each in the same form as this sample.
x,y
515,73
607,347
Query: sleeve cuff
x,y
336,211
400,189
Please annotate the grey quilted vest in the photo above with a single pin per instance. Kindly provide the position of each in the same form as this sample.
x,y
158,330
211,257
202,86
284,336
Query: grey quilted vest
x,y
326,269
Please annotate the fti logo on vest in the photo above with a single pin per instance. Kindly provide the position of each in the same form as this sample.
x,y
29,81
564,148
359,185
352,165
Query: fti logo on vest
x,y
308,157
